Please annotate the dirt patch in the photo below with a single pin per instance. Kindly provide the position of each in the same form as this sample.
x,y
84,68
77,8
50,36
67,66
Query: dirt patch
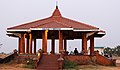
x,y
3,55
97,67
13,67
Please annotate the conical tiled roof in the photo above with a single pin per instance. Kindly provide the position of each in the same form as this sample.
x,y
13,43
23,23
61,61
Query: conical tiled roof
x,y
55,21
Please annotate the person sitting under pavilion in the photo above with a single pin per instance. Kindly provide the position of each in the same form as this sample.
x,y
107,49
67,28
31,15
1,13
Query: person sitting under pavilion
x,y
76,51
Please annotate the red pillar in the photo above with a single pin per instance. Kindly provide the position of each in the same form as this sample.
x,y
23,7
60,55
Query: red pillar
x,y
19,45
43,34
44,41
27,45
65,44
22,44
34,46
60,41
92,45
30,43
84,44
53,46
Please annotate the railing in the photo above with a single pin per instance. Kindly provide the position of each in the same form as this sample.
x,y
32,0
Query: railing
x,y
104,60
8,58
81,59
37,60
25,58
88,59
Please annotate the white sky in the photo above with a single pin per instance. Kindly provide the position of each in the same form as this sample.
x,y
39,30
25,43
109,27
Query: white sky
x,y
104,14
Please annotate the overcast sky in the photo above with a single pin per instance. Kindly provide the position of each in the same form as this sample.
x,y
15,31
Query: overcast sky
x,y
104,14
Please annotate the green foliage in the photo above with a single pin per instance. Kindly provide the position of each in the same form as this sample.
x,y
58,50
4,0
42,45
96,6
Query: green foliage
x,y
108,50
118,50
69,64
114,51
29,64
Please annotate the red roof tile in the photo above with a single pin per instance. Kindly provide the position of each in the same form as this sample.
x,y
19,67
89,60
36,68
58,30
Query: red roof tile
x,y
55,21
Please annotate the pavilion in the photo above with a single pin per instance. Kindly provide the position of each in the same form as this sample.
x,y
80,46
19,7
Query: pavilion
x,y
52,28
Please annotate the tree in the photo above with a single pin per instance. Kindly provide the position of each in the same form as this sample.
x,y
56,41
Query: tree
x,y
114,51
118,50
108,50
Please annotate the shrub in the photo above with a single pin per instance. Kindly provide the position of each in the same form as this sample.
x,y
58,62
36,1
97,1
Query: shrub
x,y
69,64
29,64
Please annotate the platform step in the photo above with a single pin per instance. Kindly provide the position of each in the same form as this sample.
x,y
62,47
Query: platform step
x,y
48,62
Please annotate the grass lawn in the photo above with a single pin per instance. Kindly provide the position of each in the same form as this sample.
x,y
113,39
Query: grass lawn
x,y
94,67
13,66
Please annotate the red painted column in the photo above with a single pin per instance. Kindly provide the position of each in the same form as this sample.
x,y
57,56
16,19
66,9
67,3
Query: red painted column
x,y
44,41
34,46
53,46
84,44
19,45
30,43
65,44
27,45
60,41
92,45
43,34
22,44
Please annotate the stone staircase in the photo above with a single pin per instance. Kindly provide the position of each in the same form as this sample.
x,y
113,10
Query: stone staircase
x,y
48,62
103,60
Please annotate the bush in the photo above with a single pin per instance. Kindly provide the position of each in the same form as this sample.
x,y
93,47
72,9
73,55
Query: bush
x,y
69,64
29,64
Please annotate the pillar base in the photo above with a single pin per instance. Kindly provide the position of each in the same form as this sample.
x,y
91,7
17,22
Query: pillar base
x,y
21,53
85,53
62,51
26,53
45,53
92,54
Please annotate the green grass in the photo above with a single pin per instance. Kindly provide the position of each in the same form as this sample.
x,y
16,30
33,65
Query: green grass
x,y
69,64
29,64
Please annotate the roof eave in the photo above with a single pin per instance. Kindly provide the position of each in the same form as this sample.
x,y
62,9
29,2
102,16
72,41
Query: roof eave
x,y
83,30
51,28
18,30
100,34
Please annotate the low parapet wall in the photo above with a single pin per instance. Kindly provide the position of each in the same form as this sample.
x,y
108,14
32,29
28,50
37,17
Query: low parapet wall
x,y
87,59
82,59
23,58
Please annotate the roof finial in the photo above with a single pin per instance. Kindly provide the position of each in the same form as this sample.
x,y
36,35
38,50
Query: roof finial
x,y
56,4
